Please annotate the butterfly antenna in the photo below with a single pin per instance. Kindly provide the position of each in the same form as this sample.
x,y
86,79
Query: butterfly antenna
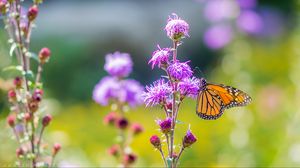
x,y
198,70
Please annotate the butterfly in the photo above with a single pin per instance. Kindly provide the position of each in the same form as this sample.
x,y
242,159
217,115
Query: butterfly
x,y
213,99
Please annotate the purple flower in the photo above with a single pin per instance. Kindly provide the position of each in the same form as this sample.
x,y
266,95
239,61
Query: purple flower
x,y
165,125
189,87
132,92
218,10
157,93
177,28
250,22
180,70
160,57
218,36
247,3
107,89
118,64
188,139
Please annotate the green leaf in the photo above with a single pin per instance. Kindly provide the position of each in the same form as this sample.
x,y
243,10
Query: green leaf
x,y
12,49
169,162
13,68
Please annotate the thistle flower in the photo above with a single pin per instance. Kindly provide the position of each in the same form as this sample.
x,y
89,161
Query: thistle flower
x,y
177,28
189,87
157,93
155,141
160,57
32,12
165,125
105,90
180,70
118,64
188,139
218,36
132,92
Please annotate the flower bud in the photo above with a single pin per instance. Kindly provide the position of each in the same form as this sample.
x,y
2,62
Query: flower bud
x,y
165,125
56,148
28,117
44,55
122,123
110,118
12,96
36,97
11,120
188,139
129,159
20,152
39,91
18,82
32,13
33,106
46,120
155,141
136,128
114,150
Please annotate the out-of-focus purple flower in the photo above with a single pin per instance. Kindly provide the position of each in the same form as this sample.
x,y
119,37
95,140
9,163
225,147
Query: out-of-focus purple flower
x,y
107,89
177,28
157,93
118,64
274,22
250,22
160,57
132,92
217,10
165,125
189,87
180,70
247,3
188,139
218,36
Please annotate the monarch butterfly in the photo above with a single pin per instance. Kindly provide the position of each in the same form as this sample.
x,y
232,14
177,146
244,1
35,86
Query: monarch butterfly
x,y
213,99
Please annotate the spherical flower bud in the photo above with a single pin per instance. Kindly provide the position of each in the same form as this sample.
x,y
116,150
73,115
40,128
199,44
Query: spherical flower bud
x,y
136,128
155,141
18,82
12,96
56,148
11,120
44,55
118,64
165,125
28,117
20,152
114,150
33,106
122,123
160,57
129,159
110,118
180,70
46,120
37,97
188,139
177,28
174,155
32,13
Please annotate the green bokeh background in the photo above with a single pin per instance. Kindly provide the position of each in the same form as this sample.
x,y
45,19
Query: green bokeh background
x,y
80,33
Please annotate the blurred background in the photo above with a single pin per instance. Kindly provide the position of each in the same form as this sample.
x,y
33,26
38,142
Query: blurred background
x,y
252,45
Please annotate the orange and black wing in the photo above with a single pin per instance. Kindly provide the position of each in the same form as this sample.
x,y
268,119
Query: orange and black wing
x,y
213,99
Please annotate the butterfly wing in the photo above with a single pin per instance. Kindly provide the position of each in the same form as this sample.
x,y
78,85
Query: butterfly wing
x,y
213,99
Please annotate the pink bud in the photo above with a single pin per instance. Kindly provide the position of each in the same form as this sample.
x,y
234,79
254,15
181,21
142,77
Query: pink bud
x,y
12,95
136,128
155,141
122,123
46,120
19,152
18,82
11,120
114,150
129,159
44,55
28,117
33,106
32,13
56,148
110,118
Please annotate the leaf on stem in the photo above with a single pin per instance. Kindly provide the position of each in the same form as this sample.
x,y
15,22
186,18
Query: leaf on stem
x,y
12,49
13,68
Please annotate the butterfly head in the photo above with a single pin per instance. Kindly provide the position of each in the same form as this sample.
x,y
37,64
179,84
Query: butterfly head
x,y
202,84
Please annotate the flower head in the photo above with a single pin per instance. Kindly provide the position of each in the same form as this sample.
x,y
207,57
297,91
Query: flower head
x,y
129,158
180,70
32,12
118,64
11,120
218,36
188,139
189,87
155,141
160,57
114,150
12,95
56,148
46,120
177,28
131,92
165,125
157,93
122,123
44,55
137,128
18,82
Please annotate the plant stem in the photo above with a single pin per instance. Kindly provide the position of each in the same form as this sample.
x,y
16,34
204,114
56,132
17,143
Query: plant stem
x,y
39,73
39,140
32,142
163,157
